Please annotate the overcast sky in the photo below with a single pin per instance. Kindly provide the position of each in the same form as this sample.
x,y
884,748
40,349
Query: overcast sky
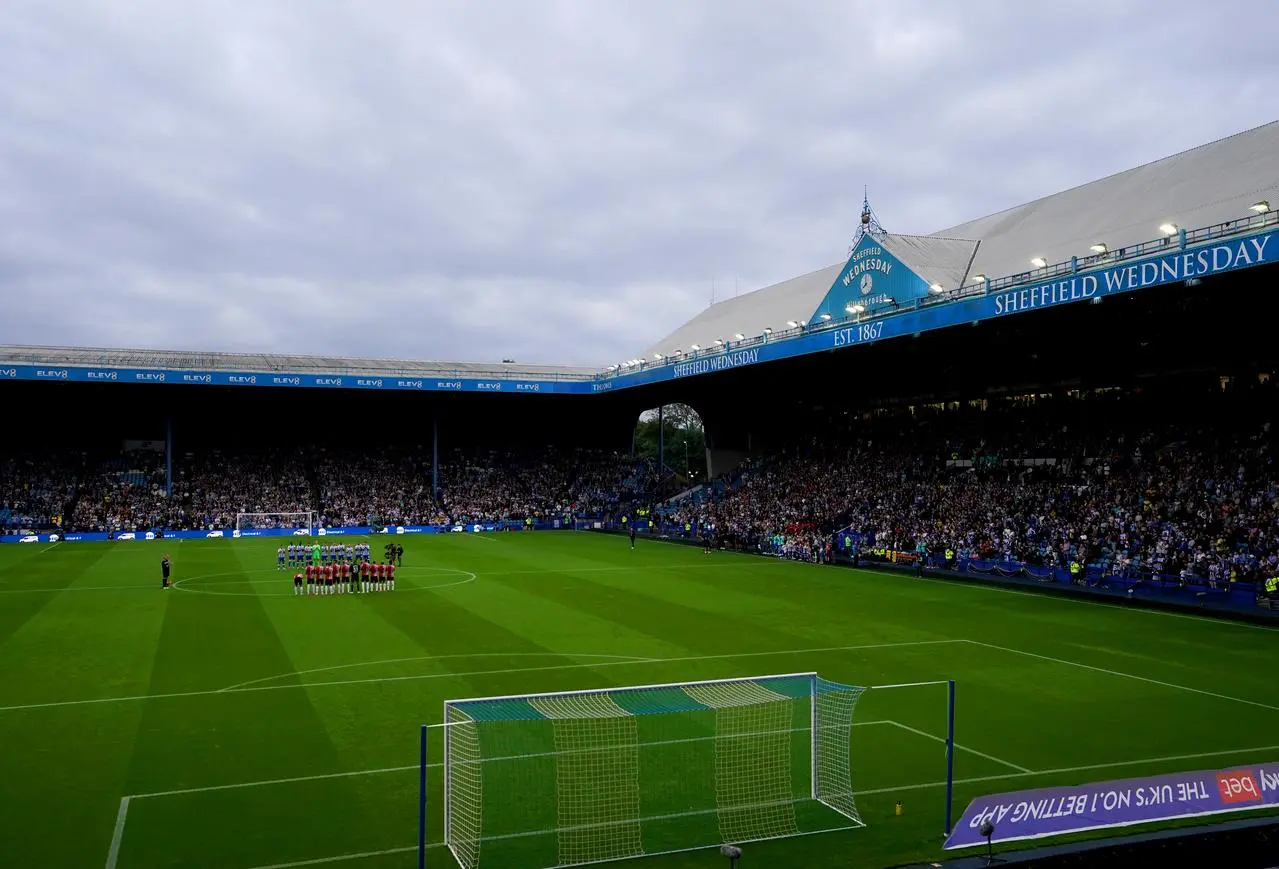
x,y
547,181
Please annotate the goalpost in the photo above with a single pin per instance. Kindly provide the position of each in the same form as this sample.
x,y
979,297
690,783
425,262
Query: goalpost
x,y
578,777
302,524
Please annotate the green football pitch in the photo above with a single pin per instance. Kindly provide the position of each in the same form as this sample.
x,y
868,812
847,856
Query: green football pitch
x,y
227,723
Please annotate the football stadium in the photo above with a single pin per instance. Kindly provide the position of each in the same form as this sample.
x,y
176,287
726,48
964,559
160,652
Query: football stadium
x,y
977,547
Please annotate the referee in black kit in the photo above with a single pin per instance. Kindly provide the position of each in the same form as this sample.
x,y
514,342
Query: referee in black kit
x,y
164,571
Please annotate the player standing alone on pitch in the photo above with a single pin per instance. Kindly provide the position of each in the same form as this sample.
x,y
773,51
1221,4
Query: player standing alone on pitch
x,y
164,571
632,533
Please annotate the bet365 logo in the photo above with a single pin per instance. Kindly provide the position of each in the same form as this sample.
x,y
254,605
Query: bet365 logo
x,y
1238,787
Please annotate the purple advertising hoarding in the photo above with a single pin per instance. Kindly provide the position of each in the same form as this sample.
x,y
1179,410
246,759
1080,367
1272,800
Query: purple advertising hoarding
x,y
1059,811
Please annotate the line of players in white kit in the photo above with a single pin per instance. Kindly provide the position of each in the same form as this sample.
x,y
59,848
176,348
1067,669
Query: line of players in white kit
x,y
337,569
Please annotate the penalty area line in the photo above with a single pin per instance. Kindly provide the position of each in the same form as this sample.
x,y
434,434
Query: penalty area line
x,y
1149,681
728,656
342,858
117,836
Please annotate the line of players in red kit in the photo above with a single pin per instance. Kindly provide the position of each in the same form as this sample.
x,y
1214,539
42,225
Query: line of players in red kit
x,y
344,577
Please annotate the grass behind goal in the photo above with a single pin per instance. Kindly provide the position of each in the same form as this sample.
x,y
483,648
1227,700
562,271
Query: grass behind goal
x,y
256,729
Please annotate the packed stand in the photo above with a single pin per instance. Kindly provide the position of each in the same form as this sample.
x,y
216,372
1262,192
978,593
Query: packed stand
x,y
35,490
493,487
124,491
388,486
210,488
1152,490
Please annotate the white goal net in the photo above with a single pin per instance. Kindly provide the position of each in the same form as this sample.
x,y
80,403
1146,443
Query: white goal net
x,y
302,524
566,779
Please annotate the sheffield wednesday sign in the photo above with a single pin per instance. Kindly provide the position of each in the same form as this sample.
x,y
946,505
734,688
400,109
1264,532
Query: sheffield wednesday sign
x,y
873,279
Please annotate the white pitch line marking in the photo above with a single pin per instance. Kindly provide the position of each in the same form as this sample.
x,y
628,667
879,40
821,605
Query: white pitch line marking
x,y
451,570
113,854
233,786
429,676
1121,674
971,751
635,658
341,858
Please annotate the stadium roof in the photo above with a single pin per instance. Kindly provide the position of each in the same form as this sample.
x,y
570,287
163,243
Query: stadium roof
x,y
1211,184
340,365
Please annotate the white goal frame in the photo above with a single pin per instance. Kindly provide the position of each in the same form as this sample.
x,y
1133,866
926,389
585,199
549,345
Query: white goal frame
x,y
303,519
828,730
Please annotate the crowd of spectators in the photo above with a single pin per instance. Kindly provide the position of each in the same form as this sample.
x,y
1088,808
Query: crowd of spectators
x,y
1128,483
543,485
120,492
210,488
1129,486
36,488
126,491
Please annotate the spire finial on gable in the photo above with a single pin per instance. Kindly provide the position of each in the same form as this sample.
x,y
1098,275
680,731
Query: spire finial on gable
x,y
869,222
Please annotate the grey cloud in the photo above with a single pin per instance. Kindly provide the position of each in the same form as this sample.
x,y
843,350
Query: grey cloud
x,y
553,182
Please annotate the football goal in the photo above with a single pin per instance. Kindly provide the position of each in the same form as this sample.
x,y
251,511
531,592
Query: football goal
x,y
302,524
566,779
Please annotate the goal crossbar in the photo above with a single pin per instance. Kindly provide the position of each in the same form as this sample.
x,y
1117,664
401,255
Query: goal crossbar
x,y
626,689
298,520
608,774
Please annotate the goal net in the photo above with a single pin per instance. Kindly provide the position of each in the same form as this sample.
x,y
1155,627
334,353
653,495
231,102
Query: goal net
x,y
302,524
580,777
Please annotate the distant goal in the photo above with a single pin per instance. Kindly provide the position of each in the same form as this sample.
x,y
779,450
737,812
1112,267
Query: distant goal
x,y
567,779
301,524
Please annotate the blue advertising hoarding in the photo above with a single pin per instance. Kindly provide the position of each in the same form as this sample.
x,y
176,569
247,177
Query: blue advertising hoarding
x,y
229,534
1059,811
278,379
913,316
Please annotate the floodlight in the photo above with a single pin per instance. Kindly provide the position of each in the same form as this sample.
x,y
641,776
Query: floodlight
x,y
738,336
981,279
934,288
1260,207
697,347
792,323
768,330
1038,262
657,356
825,316
1099,247
719,342
855,309
1169,228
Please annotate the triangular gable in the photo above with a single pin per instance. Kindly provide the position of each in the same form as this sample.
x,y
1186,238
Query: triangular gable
x,y
872,278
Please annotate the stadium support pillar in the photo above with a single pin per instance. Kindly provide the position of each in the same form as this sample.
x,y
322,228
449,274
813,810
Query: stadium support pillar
x,y
168,458
661,439
435,457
